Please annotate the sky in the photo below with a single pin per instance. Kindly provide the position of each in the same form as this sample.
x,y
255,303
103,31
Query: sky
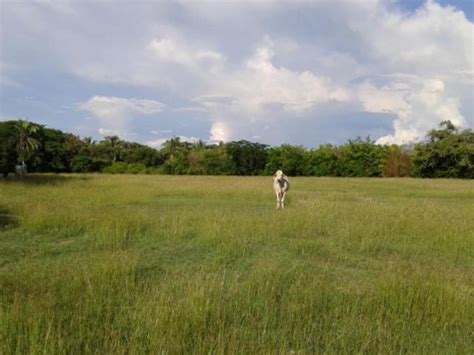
x,y
274,72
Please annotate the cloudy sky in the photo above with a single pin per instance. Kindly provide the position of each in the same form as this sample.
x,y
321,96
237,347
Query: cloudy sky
x,y
299,72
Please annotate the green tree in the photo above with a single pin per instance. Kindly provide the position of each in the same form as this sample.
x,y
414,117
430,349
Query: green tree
x,y
83,164
291,159
323,161
209,160
176,156
113,145
134,153
361,158
57,150
171,147
26,143
247,158
8,150
448,153
216,161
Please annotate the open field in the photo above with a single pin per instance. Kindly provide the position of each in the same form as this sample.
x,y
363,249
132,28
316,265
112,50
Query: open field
x,y
176,264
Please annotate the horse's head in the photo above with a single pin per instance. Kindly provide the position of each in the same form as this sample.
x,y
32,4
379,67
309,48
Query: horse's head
x,y
280,176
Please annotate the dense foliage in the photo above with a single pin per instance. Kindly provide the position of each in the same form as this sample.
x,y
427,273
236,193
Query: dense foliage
x,y
447,152
8,153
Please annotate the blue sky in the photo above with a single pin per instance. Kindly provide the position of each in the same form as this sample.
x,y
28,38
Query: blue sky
x,y
305,72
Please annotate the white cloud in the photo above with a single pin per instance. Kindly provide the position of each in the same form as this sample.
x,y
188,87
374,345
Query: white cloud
x,y
244,95
161,131
107,107
116,112
399,47
419,105
156,143
220,132
428,56
163,62
434,40
169,50
239,67
262,83
109,132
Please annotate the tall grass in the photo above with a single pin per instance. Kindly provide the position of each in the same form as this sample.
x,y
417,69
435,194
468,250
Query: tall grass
x,y
176,264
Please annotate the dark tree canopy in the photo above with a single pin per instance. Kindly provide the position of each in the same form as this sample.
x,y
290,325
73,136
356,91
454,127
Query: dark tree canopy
x,y
8,142
247,158
447,152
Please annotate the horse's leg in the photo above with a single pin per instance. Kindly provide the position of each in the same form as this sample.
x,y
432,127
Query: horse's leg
x,y
283,199
278,199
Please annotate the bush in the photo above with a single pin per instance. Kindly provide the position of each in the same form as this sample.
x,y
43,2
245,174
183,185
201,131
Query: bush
x,y
85,164
361,158
397,161
291,159
323,161
448,153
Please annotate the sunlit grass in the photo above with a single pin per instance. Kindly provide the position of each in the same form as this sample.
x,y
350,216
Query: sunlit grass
x,y
146,264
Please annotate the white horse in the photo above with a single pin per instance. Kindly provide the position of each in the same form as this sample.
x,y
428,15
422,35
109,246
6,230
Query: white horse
x,y
281,185
20,170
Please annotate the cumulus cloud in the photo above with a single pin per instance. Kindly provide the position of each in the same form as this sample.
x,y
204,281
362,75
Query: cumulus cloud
x,y
251,93
116,112
220,132
109,132
262,83
109,107
419,59
399,49
418,105
434,40
166,62
168,50
232,69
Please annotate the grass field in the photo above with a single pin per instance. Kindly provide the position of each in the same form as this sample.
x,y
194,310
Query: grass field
x,y
176,264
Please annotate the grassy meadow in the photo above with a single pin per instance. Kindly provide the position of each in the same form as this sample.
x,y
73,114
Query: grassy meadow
x,y
196,264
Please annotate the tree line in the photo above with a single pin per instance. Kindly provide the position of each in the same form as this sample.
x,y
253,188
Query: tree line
x,y
447,152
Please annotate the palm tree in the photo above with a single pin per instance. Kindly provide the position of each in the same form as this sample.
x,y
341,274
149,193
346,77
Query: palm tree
x,y
115,145
171,146
200,144
26,143
88,141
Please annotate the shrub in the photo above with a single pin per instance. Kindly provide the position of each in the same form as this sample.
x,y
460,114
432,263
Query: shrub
x,y
397,161
361,158
323,161
291,159
448,153
84,164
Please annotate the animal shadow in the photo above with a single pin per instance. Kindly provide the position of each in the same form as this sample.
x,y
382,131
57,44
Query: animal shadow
x,y
7,220
47,179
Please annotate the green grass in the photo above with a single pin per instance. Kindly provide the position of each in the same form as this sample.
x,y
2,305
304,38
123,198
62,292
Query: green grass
x,y
176,264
